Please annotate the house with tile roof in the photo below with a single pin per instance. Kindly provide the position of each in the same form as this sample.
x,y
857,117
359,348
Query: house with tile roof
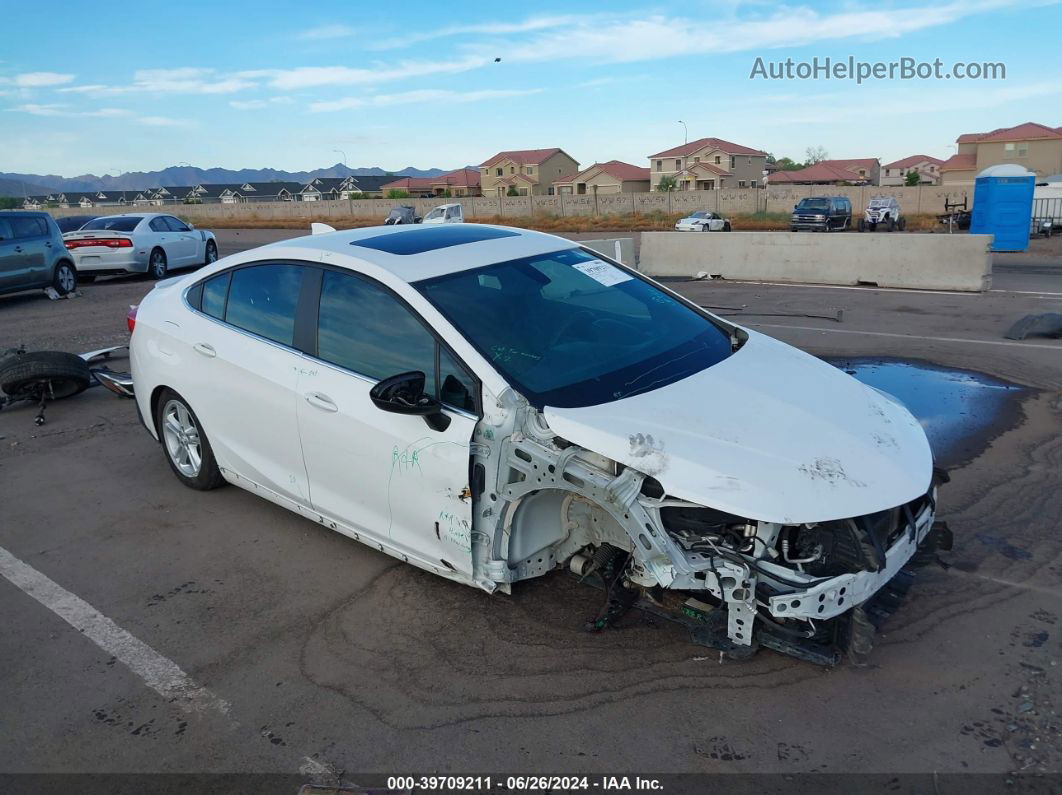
x,y
613,176
528,172
414,186
1037,147
856,171
707,164
927,168
460,182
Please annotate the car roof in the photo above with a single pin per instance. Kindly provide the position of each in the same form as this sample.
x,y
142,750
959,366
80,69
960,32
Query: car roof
x,y
132,215
417,252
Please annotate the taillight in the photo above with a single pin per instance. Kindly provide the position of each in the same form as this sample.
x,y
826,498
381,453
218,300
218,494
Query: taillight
x,y
130,319
110,242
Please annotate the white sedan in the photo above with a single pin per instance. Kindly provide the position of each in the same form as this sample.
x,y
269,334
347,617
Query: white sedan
x,y
152,243
703,221
491,404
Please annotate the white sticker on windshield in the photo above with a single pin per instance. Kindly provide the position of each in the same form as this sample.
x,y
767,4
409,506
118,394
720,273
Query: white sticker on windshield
x,y
602,272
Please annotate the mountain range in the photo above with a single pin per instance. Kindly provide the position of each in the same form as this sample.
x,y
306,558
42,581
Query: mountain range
x,y
12,184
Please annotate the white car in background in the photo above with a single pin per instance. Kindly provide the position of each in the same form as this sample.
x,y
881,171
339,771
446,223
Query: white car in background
x,y
491,404
445,214
703,221
151,243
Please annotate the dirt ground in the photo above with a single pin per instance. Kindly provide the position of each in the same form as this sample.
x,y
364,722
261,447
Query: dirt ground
x,y
334,659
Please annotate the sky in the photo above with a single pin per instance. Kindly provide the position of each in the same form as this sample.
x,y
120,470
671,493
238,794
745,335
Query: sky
x,y
141,86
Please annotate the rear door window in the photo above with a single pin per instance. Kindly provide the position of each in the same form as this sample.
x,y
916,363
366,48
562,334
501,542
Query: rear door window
x,y
26,227
5,230
158,225
262,300
175,224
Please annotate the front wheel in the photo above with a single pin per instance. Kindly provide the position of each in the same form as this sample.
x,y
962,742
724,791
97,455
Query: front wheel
x,y
890,226
211,252
187,448
157,267
65,279
902,224
726,227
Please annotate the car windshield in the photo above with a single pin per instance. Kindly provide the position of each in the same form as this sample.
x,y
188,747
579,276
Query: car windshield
x,y
568,329
813,204
122,223
879,202
699,214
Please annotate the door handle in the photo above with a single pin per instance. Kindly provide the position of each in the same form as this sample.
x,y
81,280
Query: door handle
x,y
205,350
48,244
322,402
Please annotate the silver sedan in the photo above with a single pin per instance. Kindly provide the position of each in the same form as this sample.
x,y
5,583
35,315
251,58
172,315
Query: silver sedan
x,y
152,243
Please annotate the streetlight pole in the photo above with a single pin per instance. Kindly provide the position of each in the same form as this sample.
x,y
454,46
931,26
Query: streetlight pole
x,y
118,173
350,201
686,132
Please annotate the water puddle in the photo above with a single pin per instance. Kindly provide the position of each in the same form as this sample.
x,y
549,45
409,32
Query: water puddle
x,y
961,410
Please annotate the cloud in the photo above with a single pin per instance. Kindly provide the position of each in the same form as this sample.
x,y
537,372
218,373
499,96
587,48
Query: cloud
x,y
60,109
180,80
163,121
658,37
37,79
486,28
859,104
323,32
258,104
313,76
419,96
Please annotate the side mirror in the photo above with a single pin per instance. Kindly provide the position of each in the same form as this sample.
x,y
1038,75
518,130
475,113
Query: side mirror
x,y
190,225
404,394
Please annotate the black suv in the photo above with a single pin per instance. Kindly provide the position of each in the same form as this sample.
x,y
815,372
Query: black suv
x,y
32,254
822,214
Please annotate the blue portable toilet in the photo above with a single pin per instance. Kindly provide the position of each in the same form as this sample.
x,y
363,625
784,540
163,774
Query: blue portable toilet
x,y
1003,200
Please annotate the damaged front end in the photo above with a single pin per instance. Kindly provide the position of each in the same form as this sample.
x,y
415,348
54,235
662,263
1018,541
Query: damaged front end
x,y
813,590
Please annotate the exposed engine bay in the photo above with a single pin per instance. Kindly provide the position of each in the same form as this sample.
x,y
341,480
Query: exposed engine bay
x,y
813,590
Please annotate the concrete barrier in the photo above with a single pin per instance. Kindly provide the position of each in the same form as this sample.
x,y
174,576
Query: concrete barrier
x,y
620,249
925,261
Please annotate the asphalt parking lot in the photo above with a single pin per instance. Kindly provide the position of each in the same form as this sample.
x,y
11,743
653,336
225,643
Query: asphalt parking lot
x,y
322,655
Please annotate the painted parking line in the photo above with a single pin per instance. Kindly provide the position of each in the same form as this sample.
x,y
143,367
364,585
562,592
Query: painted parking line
x,y
964,340
158,672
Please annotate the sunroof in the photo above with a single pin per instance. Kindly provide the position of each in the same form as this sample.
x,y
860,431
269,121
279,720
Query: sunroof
x,y
429,238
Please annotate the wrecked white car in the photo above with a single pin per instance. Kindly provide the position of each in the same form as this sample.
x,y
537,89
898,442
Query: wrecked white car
x,y
491,404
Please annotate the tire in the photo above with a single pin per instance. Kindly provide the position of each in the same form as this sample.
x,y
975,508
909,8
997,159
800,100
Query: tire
x,y
726,227
902,224
66,374
64,280
890,226
86,278
184,441
862,225
211,252
157,266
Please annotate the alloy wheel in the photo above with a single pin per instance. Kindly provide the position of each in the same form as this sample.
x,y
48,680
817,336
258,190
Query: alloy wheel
x,y
181,435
